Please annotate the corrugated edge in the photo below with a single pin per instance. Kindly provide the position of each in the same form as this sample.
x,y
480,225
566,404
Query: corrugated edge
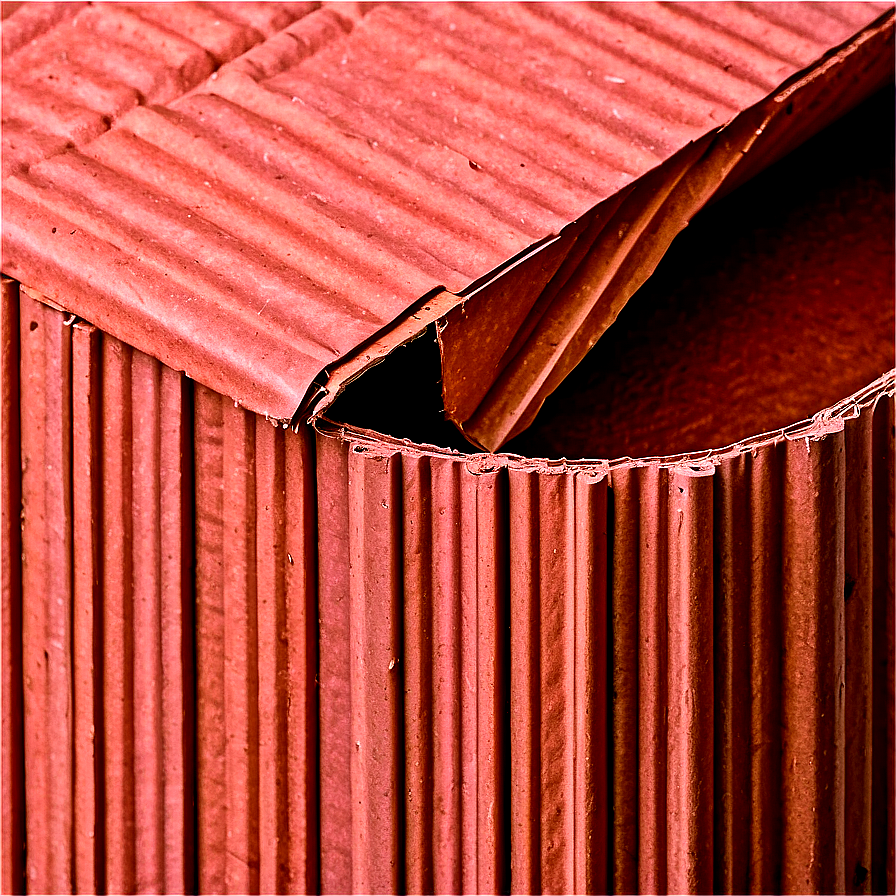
x,y
335,691
623,632
109,699
727,602
816,425
414,678
858,598
690,792
558,656
87,610
812,666
789,501
883,788
136,539
47,581
732,663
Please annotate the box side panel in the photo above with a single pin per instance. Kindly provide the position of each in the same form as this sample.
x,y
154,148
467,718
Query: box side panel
x,y
163,530
256,657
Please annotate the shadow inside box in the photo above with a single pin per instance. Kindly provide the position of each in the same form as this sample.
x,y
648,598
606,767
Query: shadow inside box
x,y
776,302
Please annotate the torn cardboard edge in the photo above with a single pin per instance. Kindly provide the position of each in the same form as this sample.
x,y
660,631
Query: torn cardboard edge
x,y
820,425
509,339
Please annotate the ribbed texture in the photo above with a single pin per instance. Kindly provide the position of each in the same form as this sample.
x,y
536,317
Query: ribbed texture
x,y
255,653
558,603
269,222
71,69
414,655
107,652
455,675
691,700
673,676
160,713
87,610
667,676
146,624
47,579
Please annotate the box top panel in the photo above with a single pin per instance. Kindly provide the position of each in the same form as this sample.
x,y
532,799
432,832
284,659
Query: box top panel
x,y
253,211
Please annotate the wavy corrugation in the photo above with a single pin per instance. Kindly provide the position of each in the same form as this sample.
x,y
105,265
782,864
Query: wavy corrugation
x,y
107,643
71,69
147,645
146,588
88,646
414,653
666,675
696,682
255,653
559,801
303,38
308,195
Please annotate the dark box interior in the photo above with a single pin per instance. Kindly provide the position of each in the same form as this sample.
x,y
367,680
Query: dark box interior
x,y
776,302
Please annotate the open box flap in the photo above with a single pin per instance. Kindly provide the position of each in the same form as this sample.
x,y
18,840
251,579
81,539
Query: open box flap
x,y
272,231
499,364
508,341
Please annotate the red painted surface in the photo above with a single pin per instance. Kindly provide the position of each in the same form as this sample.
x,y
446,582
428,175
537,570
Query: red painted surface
x,y
432,676
652,659
377,775
689,681
558,792
119,714
256,703
71,69
858,591
713,678
452,662
87,610
395,149
484,680
335,690
287,704
764,484
624,632
497,754
813,667
241,658
732,681
883,866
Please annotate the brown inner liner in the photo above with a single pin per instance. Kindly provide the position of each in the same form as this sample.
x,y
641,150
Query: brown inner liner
x,y
775,303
